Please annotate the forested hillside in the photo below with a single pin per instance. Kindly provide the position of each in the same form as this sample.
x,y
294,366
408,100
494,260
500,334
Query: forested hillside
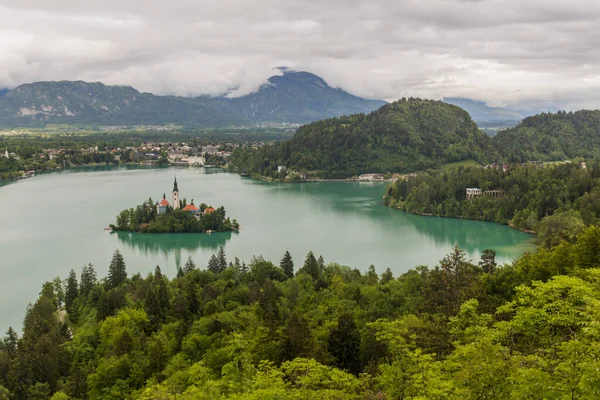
x,y
407,135
557,201
460,330
550,137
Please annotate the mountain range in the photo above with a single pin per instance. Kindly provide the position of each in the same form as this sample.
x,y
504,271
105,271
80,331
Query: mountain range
x,y
486,116
294,97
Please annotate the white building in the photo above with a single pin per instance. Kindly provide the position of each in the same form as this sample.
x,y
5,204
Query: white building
x,y
473,192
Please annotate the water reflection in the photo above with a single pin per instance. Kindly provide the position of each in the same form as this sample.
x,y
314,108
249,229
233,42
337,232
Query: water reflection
x,y
472,236
364,201
167,242
171,244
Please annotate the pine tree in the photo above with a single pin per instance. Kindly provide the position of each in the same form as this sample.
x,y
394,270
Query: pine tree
x,y
117,272
221,260
189,266
179,272
192,299
372,276
311,266
344,344
153,308
88,280
72,291
162,291
488,261
213,265
287,265
9,343
321,263
386,276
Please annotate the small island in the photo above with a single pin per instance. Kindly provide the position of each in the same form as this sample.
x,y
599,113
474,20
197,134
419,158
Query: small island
x,y
180,217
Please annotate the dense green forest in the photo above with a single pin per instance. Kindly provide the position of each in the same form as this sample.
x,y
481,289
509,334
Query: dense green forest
x,y
145,218
545,198
414,135
551,137
459,330
407,135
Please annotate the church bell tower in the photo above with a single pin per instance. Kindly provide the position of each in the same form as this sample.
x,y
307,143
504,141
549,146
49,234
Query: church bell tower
x,y
175,195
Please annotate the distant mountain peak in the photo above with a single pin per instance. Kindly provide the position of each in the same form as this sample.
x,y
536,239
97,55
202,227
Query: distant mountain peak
x,y
485,115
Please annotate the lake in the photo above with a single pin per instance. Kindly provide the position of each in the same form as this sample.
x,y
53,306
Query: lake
x,y
55,222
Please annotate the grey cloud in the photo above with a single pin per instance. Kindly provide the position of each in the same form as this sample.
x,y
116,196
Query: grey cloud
x,y
502,51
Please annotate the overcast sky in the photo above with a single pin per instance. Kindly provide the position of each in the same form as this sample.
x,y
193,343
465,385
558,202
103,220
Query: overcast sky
x,y
500,51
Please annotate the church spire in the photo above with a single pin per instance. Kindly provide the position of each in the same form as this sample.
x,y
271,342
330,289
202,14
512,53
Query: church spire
x,y
175,186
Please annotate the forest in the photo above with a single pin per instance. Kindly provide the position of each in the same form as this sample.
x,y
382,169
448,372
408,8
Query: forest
x,y
145,218
311,329
416,135
407,135
556,201
551,137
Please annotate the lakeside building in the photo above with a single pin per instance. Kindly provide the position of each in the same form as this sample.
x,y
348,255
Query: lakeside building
x,y
210,149
474,192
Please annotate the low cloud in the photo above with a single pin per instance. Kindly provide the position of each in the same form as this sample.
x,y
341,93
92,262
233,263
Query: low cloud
x,y
506,52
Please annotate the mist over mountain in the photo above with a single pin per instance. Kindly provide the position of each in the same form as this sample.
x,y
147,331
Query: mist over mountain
x,y
486,116
294,97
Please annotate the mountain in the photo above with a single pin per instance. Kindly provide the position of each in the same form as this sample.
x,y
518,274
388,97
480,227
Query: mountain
x,y
295,97
406,135
486,116
3,92
83,102
300,97
550,137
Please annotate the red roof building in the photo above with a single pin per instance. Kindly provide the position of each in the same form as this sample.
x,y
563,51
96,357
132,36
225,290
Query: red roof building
x,y
191,208
164,203
209,210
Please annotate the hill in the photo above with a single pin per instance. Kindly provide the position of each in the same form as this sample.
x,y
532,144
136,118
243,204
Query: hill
x,y
406,135
551,137
295,97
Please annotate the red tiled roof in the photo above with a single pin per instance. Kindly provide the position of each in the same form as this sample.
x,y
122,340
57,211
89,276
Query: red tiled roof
x,y
164,203
209,210
190,207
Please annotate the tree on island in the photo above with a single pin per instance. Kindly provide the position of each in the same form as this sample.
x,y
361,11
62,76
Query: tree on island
x,y
287,264
117,272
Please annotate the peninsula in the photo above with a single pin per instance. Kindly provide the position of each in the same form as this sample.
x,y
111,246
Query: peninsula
x,y
178,217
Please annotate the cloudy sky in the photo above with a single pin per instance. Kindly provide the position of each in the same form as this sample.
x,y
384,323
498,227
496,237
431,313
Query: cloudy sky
x,y
505,52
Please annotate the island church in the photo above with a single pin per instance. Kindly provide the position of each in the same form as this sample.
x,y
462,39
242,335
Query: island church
x,y
162,207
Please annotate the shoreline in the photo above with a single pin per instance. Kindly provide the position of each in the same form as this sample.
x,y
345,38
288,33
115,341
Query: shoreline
x,y
509,224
